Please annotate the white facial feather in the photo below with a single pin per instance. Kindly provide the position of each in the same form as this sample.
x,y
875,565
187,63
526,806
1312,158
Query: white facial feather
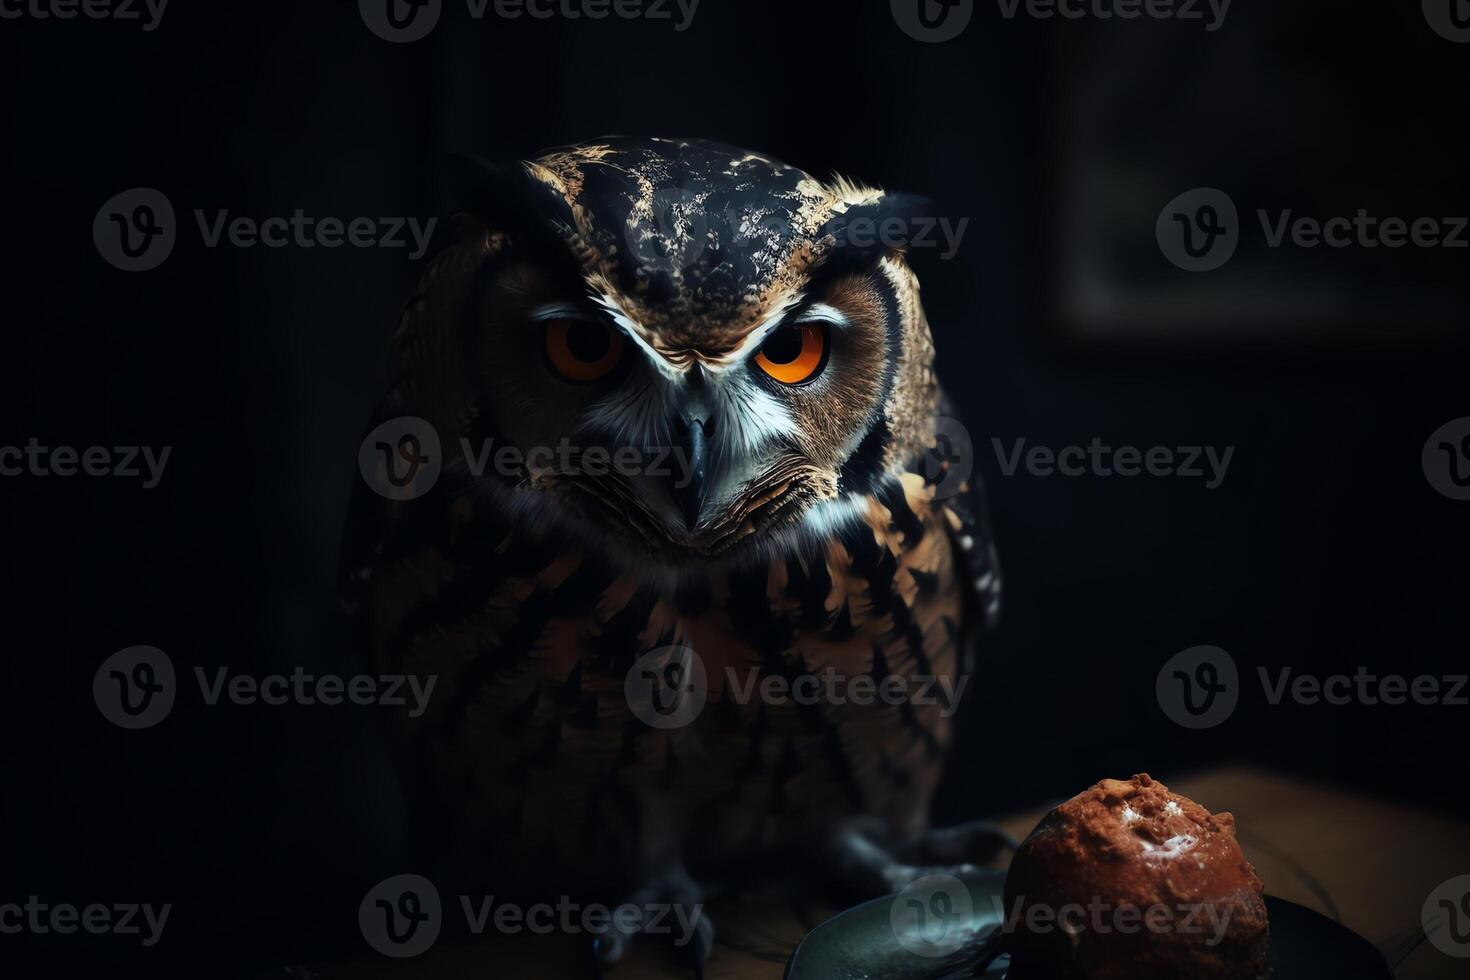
x,y
753,420
637,413
625,324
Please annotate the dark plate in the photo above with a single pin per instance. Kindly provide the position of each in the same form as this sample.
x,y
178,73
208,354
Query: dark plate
x,y
864,943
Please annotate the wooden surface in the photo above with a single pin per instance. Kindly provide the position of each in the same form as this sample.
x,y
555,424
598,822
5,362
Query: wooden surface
x,y
1367,862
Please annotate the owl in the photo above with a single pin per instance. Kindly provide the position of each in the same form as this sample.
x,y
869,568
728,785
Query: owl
x,y
741,350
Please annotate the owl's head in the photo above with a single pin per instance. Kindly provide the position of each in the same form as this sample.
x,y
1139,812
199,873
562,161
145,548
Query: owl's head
x,y
695,349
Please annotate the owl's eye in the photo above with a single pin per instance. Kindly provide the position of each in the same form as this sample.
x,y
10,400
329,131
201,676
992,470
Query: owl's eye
x,y
795,353
582,350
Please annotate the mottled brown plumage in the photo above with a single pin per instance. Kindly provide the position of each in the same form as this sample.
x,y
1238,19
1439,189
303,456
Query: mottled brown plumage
x,y
826,537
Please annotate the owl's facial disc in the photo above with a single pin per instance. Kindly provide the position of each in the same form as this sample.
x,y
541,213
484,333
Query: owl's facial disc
x,y
731,445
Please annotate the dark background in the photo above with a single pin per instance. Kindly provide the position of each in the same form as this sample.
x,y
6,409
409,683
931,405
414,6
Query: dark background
x,y
1325,549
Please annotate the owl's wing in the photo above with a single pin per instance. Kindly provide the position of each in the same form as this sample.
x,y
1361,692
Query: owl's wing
x,y
968,519
425,385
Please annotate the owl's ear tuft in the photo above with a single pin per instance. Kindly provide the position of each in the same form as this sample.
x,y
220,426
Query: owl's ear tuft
x,y
478,186
873,229
506,198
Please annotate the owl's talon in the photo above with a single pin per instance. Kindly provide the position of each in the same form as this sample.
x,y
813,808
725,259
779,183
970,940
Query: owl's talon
x,y
677,902
608,948
701,944
594,961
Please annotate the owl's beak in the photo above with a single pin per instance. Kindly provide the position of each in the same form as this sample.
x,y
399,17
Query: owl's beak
x,y
692,480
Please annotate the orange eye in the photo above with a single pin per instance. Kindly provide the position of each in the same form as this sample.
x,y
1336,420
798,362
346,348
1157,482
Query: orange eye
x,y
794,354
580,350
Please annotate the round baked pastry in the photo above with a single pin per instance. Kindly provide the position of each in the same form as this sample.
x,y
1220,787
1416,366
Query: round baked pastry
x,y
1128,881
